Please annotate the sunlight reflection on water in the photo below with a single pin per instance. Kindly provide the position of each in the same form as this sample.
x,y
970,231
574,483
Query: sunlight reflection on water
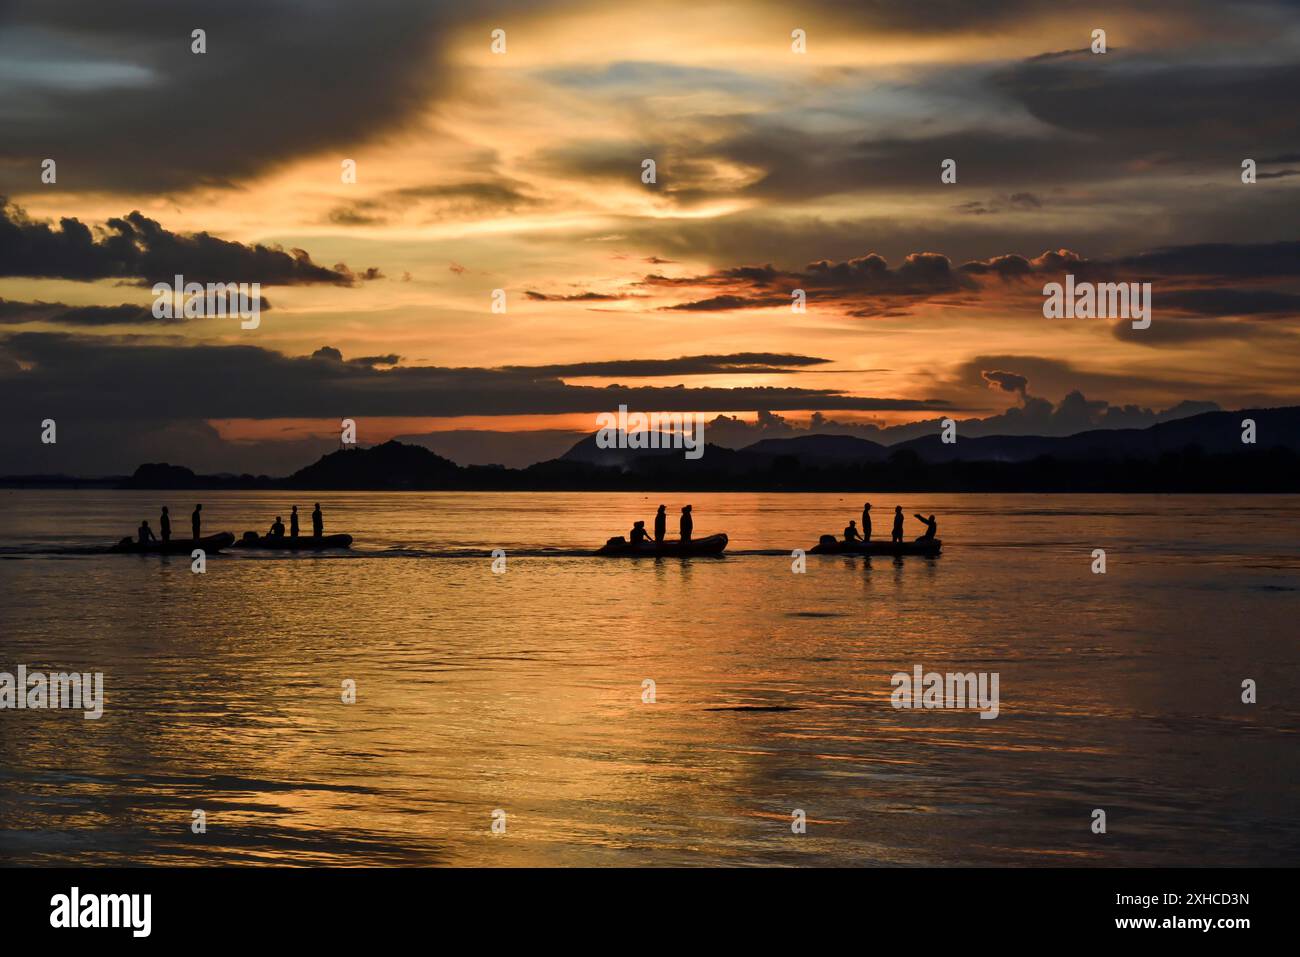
x,y
523,691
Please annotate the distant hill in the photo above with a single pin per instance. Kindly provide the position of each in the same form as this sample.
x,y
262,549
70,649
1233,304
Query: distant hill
x,y
162,475
1201,453
388,466
822,448
1214,433
588,450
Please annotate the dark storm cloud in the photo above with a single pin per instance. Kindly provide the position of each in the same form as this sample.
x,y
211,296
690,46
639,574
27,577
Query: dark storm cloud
x,y
575,297
479,198
21,313
1016,202
1045,375
1219,313
868,283
1230,302
1006,381
1188,110
726,302
1178,330
685,169
937,17
1190,279
740,363
136,247
1225,260
56,313
1100,119
125,377
133,109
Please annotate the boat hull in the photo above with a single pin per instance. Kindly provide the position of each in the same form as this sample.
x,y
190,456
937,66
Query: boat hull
x,y
177,546
303,543
670,548
930,548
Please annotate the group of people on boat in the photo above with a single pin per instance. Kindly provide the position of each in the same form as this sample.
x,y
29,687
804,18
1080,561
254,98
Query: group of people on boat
x,y
853,534
145,534
685,526
317,524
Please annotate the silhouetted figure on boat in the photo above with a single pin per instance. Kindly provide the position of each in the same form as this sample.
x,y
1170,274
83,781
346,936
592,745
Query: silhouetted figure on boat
x,y
317,522
931,526
277,528
661,524
293,522
165,525
639,534
195,521
145,534
851,533
687,524
897,534
866,522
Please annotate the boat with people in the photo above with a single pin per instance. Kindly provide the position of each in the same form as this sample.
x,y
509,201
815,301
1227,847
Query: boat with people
x,y
830,545
175,546
667,548
294,543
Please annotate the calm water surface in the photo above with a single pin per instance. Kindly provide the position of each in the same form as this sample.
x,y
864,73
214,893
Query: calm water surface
x,y
523,691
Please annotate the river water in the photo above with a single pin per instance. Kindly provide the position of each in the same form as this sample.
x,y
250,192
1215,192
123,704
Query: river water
x,y
525,692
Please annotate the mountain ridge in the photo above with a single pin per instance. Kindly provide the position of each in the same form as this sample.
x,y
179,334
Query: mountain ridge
x,y
1204,452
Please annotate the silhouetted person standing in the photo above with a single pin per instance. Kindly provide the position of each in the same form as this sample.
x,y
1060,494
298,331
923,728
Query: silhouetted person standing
x,y
851,533
639,534
866,522
931,526
293,522
897,534
661,524
165,525
145,533
687,523
317,522
196,519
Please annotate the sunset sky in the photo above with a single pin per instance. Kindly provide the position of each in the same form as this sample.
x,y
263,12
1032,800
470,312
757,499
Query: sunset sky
x,y
522,171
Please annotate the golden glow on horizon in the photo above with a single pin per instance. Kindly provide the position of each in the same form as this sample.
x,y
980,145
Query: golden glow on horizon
x,y
512,178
